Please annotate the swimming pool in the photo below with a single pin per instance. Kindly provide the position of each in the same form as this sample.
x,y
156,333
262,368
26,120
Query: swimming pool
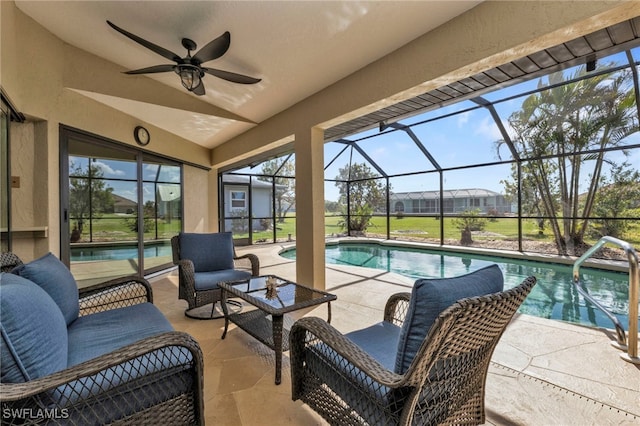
x,y
92,253
554,297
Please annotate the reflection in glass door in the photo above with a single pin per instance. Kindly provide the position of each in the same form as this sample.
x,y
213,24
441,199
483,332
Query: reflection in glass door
x,y
120,210
102,212
162,211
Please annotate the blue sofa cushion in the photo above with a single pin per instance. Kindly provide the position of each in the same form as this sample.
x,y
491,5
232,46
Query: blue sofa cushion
x,y
210,280
380,341
430,297
56,279
103,332
208,252
33,332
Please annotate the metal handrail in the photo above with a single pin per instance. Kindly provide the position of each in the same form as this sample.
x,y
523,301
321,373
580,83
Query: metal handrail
x,y
634,284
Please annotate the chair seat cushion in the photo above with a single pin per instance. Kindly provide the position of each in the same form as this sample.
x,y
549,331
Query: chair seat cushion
x,y
210,280
430,297
56,279
103,332
380,341
208,252
33,340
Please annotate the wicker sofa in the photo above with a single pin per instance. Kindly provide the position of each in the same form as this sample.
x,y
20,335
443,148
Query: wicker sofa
x,y
101,355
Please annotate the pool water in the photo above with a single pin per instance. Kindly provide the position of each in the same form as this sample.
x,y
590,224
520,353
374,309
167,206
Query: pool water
x,y
553,297
85,254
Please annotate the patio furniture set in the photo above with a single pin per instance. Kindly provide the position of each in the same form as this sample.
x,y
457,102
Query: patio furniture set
x,y
425,363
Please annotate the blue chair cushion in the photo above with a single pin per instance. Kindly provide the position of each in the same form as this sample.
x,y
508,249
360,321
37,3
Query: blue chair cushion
x,y
380,341
210,280
103,332
33,332
56,279
430,297
208,252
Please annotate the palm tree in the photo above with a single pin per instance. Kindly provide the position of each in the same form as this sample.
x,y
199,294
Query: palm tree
x,y
561,135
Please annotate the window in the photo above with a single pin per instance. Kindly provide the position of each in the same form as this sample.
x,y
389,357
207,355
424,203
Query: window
x,y
238,200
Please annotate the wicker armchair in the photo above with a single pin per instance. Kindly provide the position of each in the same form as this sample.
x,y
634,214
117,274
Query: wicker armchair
x,y
8,261
203,261
157,379
444,383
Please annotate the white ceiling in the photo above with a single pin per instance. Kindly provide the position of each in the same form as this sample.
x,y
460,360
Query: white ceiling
x,y
297,48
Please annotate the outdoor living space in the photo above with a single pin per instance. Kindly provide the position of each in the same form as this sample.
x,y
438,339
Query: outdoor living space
x,y
543,372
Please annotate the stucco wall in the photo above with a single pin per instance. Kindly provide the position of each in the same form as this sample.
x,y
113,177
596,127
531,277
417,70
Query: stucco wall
x,y
37,71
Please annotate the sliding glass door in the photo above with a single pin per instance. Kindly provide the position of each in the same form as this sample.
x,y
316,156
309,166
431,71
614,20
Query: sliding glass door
x,y
120,208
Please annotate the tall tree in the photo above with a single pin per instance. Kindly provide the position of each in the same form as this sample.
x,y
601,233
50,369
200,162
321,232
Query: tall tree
x,y
562,132
619,197
89,196
362,193
285,191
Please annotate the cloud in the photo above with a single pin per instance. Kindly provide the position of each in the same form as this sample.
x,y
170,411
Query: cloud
x,y
463,118
107,170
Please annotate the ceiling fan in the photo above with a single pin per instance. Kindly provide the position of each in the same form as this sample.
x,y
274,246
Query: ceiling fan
x,y
190,68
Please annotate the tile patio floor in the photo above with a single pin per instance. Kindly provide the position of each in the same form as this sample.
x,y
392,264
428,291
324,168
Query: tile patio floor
x,y
543,372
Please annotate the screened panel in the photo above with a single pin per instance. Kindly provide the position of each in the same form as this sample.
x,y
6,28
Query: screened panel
x,y
461,139
417,194
396,153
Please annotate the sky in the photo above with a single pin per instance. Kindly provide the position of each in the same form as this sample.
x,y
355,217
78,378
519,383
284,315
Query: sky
x,y
462,139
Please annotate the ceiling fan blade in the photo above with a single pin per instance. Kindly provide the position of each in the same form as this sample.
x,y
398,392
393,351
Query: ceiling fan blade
x,y
157,49
214,49
153,69
231,76
199,90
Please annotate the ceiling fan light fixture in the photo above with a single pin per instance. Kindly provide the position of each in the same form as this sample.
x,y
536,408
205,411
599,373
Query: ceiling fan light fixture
x,y
190,76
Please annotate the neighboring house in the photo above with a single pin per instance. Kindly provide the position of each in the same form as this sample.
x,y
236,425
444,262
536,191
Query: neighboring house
x,y
237,203
123,205
168,196
453,201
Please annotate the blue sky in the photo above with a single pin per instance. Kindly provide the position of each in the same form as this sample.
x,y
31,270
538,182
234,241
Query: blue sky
x,y
462,139
459,140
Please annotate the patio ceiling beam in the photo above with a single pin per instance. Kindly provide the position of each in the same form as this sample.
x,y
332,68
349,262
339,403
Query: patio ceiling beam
x,y
496,118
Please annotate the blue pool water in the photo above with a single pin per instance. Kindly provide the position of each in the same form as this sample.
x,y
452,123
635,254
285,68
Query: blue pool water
x,y
554,296
85,254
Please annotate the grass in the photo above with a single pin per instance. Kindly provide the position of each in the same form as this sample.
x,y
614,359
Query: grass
x,y
114,228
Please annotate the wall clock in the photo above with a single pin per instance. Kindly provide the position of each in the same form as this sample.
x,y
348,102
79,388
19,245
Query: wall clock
x,y
141,135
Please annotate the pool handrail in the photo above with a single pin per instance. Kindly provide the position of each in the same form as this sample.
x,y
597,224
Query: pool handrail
x,y
634,283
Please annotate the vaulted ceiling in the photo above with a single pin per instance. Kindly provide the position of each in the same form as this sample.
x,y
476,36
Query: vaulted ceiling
x,y
296,48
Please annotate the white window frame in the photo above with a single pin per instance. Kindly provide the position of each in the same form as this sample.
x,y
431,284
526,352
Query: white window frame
x,y
235,199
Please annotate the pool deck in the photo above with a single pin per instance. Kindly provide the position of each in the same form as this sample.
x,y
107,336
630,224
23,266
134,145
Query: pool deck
x,y
543,372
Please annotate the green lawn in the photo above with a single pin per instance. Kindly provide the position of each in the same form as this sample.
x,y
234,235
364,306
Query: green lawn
x,y
429,228
114,228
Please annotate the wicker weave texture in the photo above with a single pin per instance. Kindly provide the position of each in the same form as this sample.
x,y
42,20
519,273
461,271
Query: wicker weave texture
x,y
445,383
157,380
186,276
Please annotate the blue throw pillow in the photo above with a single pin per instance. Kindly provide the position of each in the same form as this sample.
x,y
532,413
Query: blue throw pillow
x,y
33,340
208,252
56,279
430,297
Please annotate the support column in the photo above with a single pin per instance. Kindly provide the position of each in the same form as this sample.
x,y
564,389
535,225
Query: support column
x,y
310,262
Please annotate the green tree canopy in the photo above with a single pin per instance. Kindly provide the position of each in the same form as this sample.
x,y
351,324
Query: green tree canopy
x,y
285,190
561,133
89,195
362,193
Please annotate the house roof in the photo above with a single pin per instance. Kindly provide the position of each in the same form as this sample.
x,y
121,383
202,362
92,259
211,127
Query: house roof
x,y
241,179
448,193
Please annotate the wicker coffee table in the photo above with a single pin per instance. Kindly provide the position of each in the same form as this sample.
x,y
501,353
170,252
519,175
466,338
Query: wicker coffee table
x,y
265,323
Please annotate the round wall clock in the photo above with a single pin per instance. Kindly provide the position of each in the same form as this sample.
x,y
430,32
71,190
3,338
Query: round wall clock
x,y
141,135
